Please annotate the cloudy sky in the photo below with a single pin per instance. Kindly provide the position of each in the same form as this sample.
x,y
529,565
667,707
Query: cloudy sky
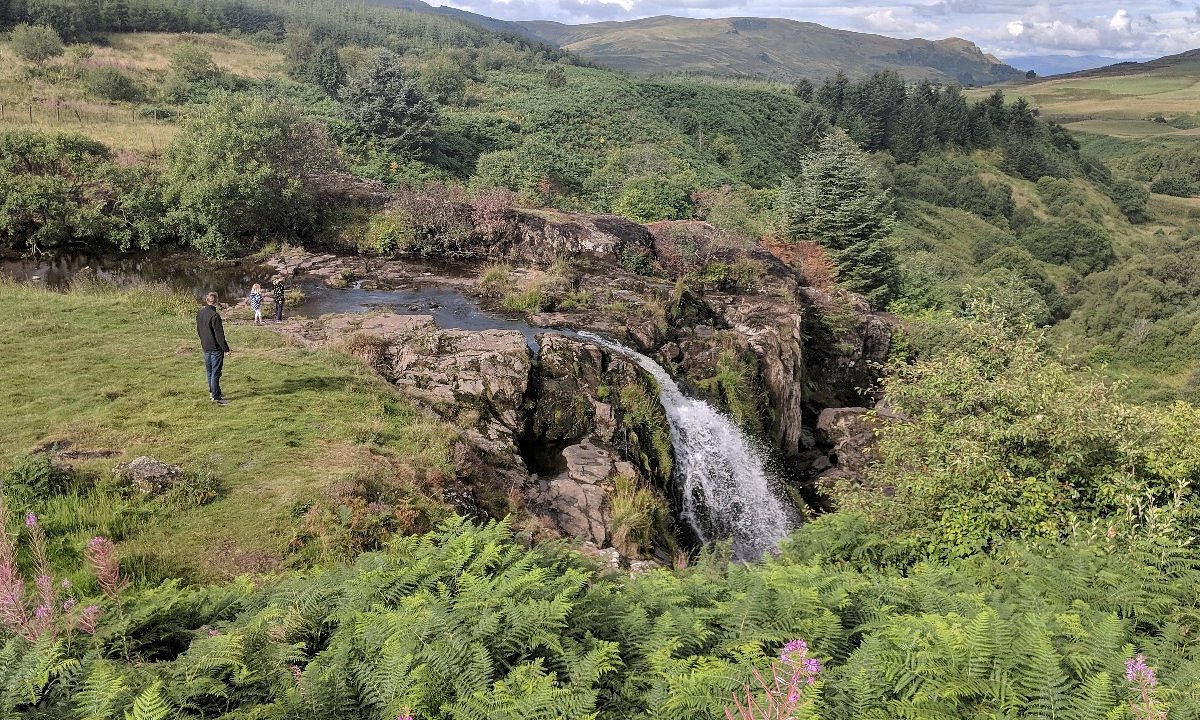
x,y
1149,28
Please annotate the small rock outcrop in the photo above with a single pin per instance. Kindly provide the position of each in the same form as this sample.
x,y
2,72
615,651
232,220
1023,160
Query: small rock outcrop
x,y
850,435
149,475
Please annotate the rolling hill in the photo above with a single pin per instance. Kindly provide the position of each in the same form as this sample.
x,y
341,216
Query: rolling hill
x,y
768,47
1062,64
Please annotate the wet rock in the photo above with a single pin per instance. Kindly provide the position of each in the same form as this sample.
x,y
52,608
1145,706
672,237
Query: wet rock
x,y
149,475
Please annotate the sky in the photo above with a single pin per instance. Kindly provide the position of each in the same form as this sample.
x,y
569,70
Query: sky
x,y
1007,28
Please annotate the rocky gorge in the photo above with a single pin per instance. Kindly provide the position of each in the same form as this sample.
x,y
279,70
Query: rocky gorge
x,y
559,430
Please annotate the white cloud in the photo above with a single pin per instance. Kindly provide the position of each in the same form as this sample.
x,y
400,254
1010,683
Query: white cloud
x,y
1120,21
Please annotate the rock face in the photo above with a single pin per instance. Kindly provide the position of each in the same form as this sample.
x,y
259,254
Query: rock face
x,y
738,328
565,410
578,496
850,434
149,475
545,236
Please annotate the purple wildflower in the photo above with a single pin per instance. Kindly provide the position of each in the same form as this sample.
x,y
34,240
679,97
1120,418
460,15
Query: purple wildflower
x,y
41,612
1145,706
69,604
213,632
297,673
1136,671
30,520
66,584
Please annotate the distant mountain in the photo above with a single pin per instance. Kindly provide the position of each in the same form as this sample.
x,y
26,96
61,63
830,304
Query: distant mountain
x,y
1184,63
771,47
1059,64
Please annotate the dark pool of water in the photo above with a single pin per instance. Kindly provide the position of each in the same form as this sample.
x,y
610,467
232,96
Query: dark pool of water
x,y
197,276
189,274
450,309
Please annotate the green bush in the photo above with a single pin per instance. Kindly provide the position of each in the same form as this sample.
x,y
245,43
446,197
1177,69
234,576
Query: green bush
x,y
236,174
651,198
111,84
62,189
1174,184
35,43
33,478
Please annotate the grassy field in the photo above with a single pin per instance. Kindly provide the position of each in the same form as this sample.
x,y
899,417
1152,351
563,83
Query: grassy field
x,y
103,370
56,97
1168,90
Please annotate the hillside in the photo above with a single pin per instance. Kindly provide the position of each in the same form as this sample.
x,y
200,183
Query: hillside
x,y
1061,64
768,47
486,471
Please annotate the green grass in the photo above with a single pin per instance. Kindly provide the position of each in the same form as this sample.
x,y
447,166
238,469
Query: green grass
x,y
122,371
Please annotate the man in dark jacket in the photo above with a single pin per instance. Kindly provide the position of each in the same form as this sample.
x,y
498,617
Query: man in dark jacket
x,y
212,342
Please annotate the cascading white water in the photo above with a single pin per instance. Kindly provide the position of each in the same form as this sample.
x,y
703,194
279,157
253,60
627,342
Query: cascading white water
x,y
727,491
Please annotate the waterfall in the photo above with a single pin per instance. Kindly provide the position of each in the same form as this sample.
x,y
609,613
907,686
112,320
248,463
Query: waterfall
x,y
727,490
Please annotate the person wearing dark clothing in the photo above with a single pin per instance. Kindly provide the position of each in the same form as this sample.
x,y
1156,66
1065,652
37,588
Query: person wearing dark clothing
x,y
277,290
214,345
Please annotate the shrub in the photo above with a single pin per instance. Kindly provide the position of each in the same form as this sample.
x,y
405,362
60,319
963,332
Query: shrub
x,y
386,104
34,478
434,222
651,198
1178,185
60,189
112,84
236,173
35,43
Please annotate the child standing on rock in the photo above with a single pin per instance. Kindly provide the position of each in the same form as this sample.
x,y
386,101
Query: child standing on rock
x,y
256,299
277,290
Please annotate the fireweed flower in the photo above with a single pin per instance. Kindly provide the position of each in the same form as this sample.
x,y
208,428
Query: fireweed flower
x,y
1136,671
69,604
1141,676
790,677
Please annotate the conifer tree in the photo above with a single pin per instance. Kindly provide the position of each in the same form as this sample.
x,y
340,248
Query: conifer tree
x,y
840,203
387,104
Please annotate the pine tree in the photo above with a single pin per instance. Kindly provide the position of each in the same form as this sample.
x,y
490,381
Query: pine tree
x,y
840,203
388,105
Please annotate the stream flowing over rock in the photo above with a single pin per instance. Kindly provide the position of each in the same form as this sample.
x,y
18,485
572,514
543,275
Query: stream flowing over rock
x,y
727,491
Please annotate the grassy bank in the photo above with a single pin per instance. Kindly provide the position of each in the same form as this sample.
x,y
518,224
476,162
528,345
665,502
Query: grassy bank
x,y
101,370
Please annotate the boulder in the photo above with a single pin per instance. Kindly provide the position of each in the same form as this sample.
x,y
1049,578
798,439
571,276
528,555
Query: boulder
x,y
578,496
149,475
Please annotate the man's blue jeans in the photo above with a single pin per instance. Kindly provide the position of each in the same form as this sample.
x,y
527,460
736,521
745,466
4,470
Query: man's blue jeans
x,y
213,360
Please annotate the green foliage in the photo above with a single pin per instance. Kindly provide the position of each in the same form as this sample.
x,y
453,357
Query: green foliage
x,y
838,201
35,43
650,198
33,478
387,105
110,83
465,623
1004,442
235,174
1131,198
60,189
1082,245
